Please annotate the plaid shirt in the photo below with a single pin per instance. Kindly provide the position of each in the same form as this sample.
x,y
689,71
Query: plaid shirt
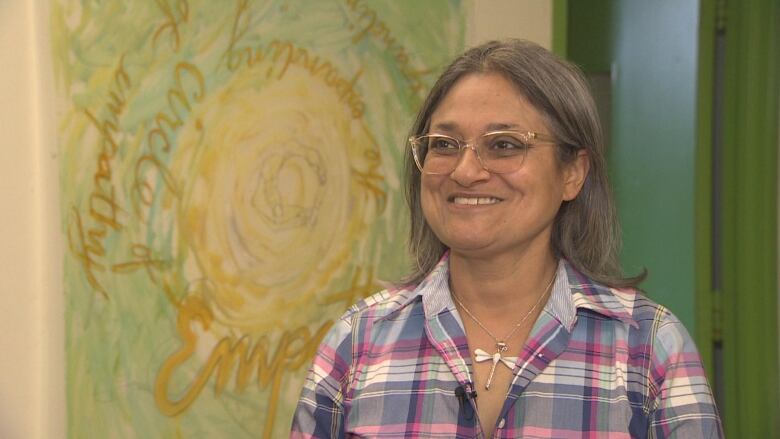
x,y
599,362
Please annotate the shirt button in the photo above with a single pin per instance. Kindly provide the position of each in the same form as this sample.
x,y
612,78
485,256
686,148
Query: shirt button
x,y
501,423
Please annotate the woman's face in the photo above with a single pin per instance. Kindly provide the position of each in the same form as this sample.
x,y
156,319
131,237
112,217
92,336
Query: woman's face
x,y
514,212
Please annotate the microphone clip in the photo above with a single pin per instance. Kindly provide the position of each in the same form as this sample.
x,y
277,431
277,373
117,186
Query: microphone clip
x,y
464,393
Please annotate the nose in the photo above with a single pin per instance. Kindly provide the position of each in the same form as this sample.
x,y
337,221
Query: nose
x,y
469,169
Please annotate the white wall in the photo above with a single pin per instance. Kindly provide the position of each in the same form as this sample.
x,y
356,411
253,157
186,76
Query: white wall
x,y
31,305
32,360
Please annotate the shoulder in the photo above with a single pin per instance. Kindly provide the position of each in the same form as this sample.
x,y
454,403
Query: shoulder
x,y
339,348
380,305
662,347
663,329
656,324
357,322
627,304
651,323
643,308
665,375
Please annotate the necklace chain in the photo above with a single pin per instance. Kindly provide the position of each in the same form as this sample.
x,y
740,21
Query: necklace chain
x,y
501,342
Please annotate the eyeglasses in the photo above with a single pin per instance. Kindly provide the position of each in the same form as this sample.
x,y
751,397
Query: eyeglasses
x,y
499,152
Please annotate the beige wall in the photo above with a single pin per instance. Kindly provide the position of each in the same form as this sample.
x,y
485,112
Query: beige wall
x,y
530,19
31,305
32,367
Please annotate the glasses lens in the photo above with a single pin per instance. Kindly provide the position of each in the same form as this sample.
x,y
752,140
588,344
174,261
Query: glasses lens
x,y
499,152
503,152
436,154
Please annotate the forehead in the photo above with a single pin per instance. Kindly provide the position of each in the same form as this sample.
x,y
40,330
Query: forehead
x,y
481,102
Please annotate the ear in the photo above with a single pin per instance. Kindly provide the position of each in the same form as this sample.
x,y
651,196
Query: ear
x,y
574,175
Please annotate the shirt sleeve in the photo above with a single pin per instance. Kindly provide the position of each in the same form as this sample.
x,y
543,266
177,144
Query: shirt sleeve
x,y
320,410
684,406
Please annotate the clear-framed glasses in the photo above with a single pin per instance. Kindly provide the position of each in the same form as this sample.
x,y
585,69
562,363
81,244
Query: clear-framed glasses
x,y
499,152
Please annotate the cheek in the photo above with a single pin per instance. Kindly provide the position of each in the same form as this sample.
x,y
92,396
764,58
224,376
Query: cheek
x,y
540,188
427,198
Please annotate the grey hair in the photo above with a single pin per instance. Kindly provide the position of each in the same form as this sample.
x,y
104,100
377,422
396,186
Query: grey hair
x,y
585,229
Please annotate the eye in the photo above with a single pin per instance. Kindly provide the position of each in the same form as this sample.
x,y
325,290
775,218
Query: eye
x,y
442,145
507,145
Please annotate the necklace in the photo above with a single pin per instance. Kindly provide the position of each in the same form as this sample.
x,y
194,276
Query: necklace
x,y
501,344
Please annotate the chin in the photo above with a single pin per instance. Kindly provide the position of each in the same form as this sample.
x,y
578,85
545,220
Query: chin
x,y
466,245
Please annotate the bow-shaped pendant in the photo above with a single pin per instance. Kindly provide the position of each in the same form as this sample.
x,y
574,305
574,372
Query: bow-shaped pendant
x,y
480,356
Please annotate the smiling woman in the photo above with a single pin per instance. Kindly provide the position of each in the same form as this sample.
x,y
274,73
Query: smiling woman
x,y
477,211
517,320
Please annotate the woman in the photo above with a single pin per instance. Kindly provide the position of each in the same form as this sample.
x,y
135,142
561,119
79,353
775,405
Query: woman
x,y
517,321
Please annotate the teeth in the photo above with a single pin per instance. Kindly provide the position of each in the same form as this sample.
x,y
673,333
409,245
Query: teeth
x,y
474,201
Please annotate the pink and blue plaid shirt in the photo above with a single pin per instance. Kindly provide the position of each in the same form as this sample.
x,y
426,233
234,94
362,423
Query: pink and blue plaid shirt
x,y
599,362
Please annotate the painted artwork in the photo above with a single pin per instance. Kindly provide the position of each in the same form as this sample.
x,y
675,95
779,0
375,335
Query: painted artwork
x,y
230,184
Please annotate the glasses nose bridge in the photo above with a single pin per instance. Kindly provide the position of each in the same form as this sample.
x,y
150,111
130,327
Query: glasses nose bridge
x,y
473,146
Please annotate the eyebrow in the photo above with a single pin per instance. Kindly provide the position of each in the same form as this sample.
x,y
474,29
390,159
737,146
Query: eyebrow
x,y
452,126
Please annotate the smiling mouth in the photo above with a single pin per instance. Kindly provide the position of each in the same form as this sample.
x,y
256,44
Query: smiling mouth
x,y
473,201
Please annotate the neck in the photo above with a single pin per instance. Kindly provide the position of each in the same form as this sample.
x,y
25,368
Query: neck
x,y
501,285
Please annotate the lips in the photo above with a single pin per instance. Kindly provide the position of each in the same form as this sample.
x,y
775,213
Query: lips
x,y
474,201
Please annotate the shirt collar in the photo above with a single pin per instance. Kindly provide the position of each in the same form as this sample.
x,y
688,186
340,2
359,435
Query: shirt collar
x,y
434,289
577,291
571,290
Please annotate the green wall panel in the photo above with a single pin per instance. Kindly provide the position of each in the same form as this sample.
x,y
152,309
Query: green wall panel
x,y
653,138
590,34
749,216
650,48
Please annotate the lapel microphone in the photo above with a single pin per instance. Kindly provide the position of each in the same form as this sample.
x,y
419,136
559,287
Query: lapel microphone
x,y
464,396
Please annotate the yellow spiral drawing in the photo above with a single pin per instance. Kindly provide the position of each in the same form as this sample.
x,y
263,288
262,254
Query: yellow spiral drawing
x,y
272,209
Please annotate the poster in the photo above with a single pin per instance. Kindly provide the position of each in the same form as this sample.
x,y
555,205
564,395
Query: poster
x,y
230,184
